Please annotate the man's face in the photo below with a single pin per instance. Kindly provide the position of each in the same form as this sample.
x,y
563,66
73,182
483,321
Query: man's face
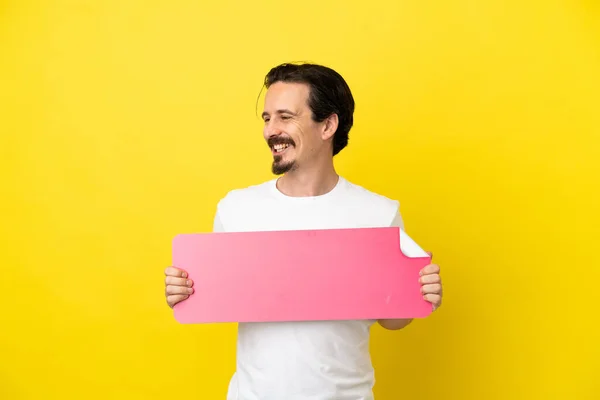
x,y
290,132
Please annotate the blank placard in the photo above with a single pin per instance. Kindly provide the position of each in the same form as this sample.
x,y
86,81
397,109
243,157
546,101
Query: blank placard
x,y
305,275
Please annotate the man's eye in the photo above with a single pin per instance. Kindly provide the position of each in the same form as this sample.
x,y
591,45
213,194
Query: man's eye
x,y
285,117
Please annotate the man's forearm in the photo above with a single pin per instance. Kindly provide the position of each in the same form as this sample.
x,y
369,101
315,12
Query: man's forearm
x,y
394,324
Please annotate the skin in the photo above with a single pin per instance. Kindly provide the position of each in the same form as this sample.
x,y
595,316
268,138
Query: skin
x,y
309,171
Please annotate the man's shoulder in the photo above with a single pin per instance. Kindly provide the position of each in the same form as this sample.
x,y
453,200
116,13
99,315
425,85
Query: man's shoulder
x,y
246,194
362,194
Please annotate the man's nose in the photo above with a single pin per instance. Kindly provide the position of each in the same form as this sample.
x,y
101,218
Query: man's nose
x,y
271,129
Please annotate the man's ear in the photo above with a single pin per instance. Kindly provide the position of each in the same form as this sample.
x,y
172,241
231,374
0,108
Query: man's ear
x,y
330,125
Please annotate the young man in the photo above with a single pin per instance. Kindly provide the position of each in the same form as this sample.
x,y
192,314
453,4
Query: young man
x,y
308,113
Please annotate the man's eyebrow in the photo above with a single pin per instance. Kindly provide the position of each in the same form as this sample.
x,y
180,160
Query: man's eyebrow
x,y
280,111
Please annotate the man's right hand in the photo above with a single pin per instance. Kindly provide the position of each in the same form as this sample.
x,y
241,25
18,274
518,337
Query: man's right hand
x,y
177,286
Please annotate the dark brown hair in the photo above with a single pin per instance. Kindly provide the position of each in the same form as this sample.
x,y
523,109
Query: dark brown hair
x,y
329,94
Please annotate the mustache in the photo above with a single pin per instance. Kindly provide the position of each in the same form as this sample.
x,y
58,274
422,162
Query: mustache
x,y
274,140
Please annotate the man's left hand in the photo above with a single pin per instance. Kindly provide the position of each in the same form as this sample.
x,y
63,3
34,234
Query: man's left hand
x,y
431,285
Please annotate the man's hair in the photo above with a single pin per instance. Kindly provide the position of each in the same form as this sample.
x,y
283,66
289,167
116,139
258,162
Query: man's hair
x,y
329,94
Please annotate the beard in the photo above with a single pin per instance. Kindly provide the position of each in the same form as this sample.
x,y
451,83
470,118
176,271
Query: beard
x,y
280,167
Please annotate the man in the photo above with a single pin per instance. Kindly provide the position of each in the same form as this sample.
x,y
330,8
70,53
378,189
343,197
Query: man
x,y
308,113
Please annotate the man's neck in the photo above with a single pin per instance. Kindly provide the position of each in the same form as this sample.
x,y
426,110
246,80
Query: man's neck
x,y
305,182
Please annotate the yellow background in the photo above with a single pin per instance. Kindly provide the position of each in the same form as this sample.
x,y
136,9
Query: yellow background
x,y
124,122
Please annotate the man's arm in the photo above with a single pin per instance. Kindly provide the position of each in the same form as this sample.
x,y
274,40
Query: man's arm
x,y
395,324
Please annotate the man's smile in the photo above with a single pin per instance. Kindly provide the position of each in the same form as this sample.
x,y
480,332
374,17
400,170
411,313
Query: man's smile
x,y
279,148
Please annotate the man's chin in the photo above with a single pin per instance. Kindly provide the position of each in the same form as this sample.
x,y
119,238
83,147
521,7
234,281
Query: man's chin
x,y
281,167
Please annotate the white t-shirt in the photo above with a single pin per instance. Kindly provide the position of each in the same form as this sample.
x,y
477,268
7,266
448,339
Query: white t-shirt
x,y
322,360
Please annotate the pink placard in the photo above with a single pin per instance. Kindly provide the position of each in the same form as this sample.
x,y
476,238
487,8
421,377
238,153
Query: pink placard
x,y
306,275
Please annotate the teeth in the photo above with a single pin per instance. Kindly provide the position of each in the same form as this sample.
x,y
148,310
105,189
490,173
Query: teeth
x,y
280,147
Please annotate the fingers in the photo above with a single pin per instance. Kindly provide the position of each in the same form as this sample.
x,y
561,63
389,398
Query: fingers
x,y
175,294
183,290
177,286
434,299
428,279
431,282
435,288
176,272
171,280
172,300
430,269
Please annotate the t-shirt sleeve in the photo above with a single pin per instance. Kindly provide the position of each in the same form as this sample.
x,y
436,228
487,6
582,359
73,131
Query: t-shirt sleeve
x,y
217,224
